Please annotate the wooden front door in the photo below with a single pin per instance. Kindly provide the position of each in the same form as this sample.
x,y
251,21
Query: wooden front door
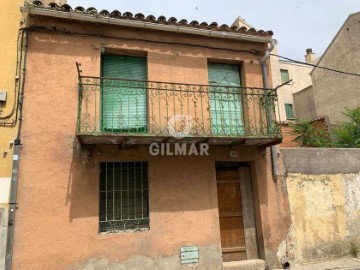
x,y
231,216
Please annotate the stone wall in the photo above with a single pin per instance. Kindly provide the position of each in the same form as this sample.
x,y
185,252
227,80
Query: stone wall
x,y
324,195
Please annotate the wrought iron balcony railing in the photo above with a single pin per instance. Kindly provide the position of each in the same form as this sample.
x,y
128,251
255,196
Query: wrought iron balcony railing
x,y
118,107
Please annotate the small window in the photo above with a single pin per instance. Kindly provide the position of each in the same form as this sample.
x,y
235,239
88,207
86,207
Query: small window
x,y
124,197
284,75
289,111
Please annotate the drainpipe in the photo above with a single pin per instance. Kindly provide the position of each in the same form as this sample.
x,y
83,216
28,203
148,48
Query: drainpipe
x,y
15,167
274,163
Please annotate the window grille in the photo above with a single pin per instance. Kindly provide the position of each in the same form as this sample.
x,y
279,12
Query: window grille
x,y
124,196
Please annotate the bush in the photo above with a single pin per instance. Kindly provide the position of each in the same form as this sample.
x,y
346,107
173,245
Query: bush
x,y
310,136
347,135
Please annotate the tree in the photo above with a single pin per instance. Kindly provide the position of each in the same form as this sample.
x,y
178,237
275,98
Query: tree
x,y
347,135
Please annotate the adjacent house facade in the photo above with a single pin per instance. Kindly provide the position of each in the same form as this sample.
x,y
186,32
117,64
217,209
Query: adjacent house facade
x,y
333,92
145,144
10,88
283,71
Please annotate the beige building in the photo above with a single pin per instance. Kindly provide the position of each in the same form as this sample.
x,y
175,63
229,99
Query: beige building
x,y
283,71
333,92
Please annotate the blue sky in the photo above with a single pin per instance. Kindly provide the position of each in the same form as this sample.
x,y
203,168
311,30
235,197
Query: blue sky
x,y
297,24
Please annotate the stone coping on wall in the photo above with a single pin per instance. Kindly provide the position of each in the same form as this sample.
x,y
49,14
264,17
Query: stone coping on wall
x,y
321,160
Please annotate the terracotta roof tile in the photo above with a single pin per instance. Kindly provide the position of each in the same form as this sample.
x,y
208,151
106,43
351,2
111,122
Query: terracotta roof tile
x,y
115,14
104,13
141,17
172,20
79,9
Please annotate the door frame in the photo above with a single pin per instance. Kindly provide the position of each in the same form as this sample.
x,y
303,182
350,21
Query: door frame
x,y
249,210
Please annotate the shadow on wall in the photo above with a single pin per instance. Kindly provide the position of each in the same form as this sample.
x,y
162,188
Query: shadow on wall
x,y
176,184
83,182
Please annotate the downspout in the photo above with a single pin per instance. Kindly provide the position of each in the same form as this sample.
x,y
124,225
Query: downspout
x,y
15,167
274,162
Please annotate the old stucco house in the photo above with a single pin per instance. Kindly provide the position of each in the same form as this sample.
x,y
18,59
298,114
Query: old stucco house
x,y
145,144
332,92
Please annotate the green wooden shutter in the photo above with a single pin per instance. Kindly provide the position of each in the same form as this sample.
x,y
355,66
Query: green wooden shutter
x,y
289,111
124,103
284,75
225,102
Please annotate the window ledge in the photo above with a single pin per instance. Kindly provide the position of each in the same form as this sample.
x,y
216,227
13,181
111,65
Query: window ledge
x,y
123,231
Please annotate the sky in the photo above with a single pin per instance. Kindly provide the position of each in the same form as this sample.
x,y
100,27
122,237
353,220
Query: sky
x,y
297,24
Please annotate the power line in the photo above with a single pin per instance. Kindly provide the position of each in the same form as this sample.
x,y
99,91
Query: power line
x,y
316,66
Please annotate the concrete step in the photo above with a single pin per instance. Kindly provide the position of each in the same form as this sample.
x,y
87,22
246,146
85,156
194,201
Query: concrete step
x,y
244,265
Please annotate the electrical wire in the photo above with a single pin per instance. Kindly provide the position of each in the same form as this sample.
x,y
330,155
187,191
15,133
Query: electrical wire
x,y
316,66
54,29
254,52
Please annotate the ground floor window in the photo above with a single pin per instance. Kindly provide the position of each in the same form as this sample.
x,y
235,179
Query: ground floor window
x,y
124,196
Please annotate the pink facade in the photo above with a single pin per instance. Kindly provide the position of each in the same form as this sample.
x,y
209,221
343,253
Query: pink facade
x,y
57,223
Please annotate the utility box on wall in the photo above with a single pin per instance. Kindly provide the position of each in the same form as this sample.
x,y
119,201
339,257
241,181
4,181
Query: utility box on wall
x,y
2,96
189,255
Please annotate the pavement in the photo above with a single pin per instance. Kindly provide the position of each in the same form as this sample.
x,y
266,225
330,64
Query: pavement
x,y
338,264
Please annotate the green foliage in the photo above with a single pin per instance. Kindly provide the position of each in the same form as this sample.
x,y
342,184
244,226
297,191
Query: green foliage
x,y
347,135
310,136
354,250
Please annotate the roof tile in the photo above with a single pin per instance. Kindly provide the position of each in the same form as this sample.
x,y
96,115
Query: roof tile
x,y
151,18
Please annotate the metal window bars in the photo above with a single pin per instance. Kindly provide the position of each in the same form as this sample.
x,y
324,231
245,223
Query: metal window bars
x,y
124,196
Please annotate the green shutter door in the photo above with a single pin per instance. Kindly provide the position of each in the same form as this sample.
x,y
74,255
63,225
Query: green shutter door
x,y
124,103
225,102
289,111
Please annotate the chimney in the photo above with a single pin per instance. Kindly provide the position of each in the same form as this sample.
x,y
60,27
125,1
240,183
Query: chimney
x,y
310,57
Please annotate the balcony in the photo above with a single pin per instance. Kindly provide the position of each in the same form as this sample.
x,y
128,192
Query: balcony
x,y
129,112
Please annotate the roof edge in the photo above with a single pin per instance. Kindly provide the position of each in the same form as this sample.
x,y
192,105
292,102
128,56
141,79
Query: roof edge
x,y
142,24
333,40
303,90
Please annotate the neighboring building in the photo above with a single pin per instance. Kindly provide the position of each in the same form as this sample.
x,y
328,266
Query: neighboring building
x,y
283,71
95,191
304,103
333,92
10,85
240,22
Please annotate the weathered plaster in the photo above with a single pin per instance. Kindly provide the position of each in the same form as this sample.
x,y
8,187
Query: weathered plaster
x,y
325,212
210,259
324,189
